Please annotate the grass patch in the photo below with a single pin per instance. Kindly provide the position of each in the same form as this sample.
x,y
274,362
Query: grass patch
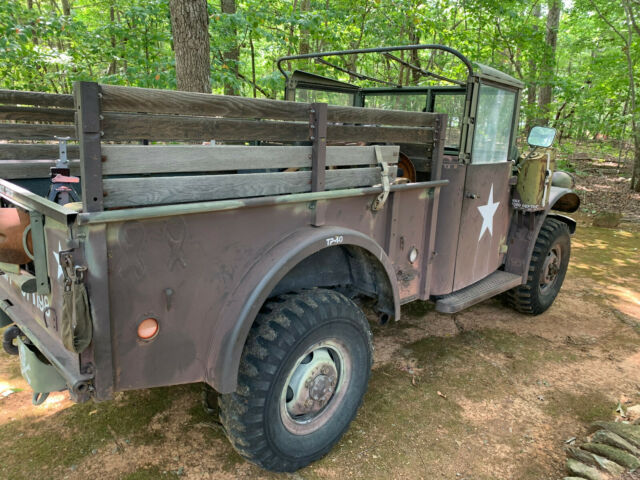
x,y
34,448
587,407
417,308
481,364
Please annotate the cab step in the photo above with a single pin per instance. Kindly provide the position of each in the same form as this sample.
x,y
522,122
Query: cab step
x,y
488,287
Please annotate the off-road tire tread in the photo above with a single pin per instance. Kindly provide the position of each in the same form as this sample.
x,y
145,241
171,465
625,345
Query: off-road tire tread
x,y
280,323
523,298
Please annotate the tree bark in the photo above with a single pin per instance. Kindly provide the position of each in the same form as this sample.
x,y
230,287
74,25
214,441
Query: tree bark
x,y
549,63
232,55
303,49
532,87
190,25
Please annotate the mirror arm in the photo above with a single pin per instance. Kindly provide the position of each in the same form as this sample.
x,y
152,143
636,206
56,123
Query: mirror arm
x,y
533,150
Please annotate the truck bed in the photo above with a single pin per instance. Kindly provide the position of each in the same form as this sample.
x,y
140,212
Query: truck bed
x,y
193,234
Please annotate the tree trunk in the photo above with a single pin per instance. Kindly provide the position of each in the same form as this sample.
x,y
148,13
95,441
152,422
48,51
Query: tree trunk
x,y
305,7
113,64
232,55
66,8
635,114
190,26
549,63
533,76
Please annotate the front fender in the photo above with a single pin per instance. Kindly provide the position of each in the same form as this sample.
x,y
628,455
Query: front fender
x,y
525,228
230,332
563,199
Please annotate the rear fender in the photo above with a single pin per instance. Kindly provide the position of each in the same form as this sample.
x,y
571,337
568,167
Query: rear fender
x,y
230,332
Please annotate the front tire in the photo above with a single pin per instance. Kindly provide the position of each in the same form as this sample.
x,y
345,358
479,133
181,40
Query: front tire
x,y
547,269
303,374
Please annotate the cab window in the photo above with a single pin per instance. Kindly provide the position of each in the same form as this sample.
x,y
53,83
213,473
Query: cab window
x,y
493,125
453,105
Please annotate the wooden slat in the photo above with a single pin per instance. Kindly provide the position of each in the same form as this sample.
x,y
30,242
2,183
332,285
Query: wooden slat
x,y
130,192
129,99
36,114
21,151
122,126
30,131
377,116
350,133
16,169
17,97
136,159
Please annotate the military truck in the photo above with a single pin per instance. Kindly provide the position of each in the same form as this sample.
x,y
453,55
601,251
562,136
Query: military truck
x,y
235,241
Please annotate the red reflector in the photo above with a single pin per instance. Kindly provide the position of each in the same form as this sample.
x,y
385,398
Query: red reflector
x,y
148,328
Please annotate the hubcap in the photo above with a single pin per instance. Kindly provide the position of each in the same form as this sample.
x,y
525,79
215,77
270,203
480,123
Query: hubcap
x,y
315,387
550,268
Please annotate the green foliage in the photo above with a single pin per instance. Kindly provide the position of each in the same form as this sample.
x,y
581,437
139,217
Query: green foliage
x,y
129,43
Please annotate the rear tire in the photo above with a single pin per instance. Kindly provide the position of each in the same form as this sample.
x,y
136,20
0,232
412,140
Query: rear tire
x,y
303,374
547,269
8,340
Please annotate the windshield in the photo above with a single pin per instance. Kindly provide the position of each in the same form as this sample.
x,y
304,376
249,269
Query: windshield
x,y
408,102
341,99
493,125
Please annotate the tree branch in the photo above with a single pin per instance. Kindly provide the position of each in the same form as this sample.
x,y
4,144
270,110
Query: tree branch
x,y
604,19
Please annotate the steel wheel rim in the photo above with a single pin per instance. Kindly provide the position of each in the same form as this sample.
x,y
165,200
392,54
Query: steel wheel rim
x,y
315,387
551,269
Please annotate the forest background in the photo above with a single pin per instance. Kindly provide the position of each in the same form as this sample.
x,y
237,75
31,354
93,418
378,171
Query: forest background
x,y
580,60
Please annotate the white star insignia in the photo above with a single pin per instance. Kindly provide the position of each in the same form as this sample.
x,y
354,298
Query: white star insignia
x,y
57,258
488,211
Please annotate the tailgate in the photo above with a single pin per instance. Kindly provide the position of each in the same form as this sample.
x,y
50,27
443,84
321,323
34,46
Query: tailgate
x,y
37,313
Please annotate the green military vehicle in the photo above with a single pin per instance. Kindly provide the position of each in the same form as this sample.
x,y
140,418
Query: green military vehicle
x,y
244,263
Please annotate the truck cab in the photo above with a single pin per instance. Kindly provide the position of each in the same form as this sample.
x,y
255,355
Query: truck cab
x,y
479,212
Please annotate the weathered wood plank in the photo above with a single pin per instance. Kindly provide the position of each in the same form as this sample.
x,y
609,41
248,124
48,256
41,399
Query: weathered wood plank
x,y
16,169
129,99
351,133
17,97
31,131
36,114
35,151
130,192
376,116
136,159
122,126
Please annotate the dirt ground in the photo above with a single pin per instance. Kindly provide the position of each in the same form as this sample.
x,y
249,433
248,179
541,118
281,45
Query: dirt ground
x,y
484,394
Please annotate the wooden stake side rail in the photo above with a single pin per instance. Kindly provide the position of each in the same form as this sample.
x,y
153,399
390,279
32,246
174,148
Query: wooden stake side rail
x,y
126,127
36,151
135,192
36,114
169,102
18,97
34,131
167,159
100,114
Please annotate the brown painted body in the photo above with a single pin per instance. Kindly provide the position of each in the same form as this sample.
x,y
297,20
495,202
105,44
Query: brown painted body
x,y
193,253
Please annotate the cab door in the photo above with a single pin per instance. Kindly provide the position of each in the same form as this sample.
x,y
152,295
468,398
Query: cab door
x,y
486,209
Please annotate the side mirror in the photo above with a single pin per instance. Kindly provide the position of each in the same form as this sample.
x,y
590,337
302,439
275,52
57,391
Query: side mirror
x,y
541,137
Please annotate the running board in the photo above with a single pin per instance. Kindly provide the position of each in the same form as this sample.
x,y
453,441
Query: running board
x,y
488,287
